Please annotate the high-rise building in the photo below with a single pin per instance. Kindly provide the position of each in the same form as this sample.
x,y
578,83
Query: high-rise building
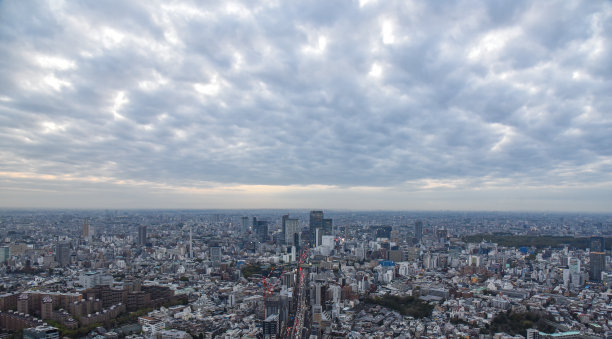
x,y
191,242
62,254
418,230
291,227
297,240
244,223
86,230
261,229
325,226
142,235
316,221
328,227
284,225
318,292
598,258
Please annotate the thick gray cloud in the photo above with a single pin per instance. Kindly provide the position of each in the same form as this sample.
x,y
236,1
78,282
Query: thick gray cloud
x,y
393,95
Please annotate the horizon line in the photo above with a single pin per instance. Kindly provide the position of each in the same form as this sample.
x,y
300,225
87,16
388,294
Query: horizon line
x,y
2,208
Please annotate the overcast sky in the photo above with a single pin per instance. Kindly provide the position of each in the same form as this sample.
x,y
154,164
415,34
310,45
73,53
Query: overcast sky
x,y
429,105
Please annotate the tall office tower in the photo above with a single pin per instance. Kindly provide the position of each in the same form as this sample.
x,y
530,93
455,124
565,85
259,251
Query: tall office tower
x,y
574,272
316,221
191,242
62,254
418,230
261,229
142,235
284,227
297,241
325,227
291,228
244,221
318,291
598,258
254,226
328,226
86,232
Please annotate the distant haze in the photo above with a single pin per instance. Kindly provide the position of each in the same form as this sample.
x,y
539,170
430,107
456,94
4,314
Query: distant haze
x,y
402,105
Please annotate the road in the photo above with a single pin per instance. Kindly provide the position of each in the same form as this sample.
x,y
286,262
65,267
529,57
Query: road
x,y
302,307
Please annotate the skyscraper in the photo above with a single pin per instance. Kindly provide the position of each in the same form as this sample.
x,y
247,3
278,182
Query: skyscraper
x,y
316,221
324,226
291,228
86,230
284,227
244,221
328,226
597,257
191,242
574,272
62,254
142,235
261,229
418,230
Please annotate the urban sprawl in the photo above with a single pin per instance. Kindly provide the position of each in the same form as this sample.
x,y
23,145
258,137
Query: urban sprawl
x,y
304,274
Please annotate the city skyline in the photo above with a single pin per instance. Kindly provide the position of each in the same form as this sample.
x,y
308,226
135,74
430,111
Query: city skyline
x,y
249,273
355,105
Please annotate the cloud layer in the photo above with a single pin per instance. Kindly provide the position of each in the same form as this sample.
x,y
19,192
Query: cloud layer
x,y
345,95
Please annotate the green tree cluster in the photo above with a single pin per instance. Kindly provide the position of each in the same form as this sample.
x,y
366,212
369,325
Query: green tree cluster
x,y
404,305
518,323
250,270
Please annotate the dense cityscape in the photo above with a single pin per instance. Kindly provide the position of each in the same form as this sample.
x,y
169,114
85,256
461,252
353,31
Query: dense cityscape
x,y
304,274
